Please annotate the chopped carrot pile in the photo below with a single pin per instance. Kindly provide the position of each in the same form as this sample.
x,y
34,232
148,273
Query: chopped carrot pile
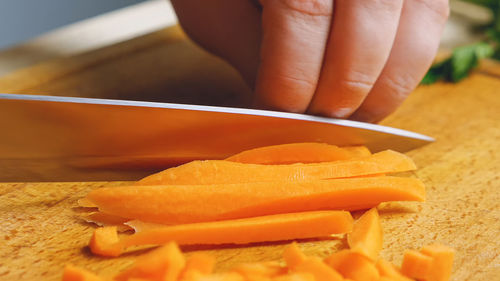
x,y
168,263
275,193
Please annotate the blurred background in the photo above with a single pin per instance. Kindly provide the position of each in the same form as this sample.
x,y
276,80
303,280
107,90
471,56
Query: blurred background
x,y
32,30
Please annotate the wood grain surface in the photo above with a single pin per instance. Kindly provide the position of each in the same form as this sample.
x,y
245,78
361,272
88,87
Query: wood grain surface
x,y
40,231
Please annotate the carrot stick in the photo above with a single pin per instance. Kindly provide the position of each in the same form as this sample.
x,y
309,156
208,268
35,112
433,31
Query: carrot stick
x,y
366,236
162,264
221,171
187,204
73,273
299,153
242,231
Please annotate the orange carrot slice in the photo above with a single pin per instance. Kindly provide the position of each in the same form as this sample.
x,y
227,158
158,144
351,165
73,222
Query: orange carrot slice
x,y
162,264
104,242
222,172
295,277
242,231
299,153
187,204
293,256
442,261
416,265
388,270
353,265
84,202
260,270
73,273
366,235
197,265
102,219
320,270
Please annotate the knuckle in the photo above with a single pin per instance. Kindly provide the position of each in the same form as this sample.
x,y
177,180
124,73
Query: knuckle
x,y
357,83
310,7
400,86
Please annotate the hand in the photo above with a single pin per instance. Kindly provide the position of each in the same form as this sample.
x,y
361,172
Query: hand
x,y
355,59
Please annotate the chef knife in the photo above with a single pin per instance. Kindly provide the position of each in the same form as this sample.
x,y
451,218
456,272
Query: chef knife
x,y
54,138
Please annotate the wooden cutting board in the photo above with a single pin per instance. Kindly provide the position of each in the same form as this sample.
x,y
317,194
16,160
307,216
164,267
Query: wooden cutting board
x,y
40,231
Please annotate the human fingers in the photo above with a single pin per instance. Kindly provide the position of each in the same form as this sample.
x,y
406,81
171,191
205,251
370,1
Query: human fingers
x,y
294,35
228,28
360,42
416,44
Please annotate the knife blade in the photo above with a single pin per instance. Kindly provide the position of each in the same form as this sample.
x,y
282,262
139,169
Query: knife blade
x,y
54,138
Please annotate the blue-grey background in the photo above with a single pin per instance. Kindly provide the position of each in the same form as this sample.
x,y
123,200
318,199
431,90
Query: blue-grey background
x,y
23,19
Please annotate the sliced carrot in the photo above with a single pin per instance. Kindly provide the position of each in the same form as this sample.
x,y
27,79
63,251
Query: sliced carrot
x,y
320,270
366,235
388,270
295,277
226,276
162,264
293,256
353,265
102,219
140,226
260,270
104,242
73,273
299,153
416,265
221,171
197,265
242,231
84,202
442,261
186,204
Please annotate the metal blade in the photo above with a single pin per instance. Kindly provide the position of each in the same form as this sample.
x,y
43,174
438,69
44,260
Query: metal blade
x,y
52,138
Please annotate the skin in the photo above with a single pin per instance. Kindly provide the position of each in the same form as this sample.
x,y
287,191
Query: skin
x,y
356,59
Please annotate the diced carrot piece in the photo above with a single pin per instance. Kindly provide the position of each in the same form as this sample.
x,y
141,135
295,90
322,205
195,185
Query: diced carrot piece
x,y
299,153
242,231
222,172
388,270
186,204
366,235
162,264
442,261
73,273
293,256
295,277
201,262
102,219
320,270
260,270
226,276
105,242
353,265
416,265
197,265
